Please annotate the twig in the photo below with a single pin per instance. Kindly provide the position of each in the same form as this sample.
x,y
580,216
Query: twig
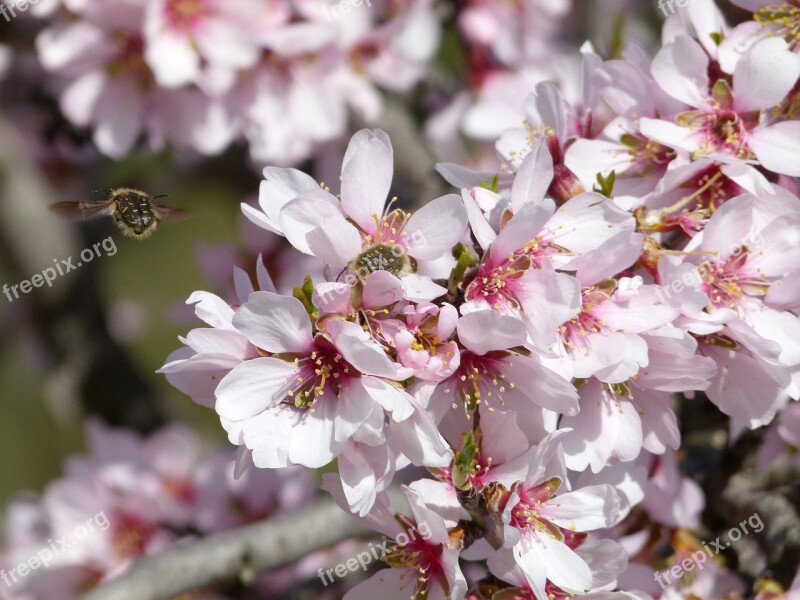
x,y
241,553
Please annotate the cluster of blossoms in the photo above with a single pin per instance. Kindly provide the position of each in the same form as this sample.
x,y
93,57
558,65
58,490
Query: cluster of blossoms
x,y
132,497
200,74
525,340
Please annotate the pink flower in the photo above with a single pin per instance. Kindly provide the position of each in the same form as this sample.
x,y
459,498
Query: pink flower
x,y
728,123
536,517
112,89
495,377
184,38
356,233
312,389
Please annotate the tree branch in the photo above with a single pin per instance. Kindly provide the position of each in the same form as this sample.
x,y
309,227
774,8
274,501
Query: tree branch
x,y
240,553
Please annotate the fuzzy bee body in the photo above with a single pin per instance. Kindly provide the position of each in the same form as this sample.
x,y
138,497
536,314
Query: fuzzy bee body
x,y
134,211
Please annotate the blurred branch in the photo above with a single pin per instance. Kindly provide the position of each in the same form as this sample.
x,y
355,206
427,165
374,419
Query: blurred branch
x,y
85,365
238,554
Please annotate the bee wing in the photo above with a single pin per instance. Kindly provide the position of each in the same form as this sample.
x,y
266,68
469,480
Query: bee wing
x,y
89,209
166,213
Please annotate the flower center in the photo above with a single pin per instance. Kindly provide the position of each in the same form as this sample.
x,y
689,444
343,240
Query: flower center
x,y
724,132
185,14
323,371
479,377
129,60
130,535
495,284
782,19
575,332
727,286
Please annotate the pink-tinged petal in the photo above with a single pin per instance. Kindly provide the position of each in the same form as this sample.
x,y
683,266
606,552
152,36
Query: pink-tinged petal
x,y
279,187
778,147
744,388
526,224
435,228
310,222
251,387
765,75
380,518
76,45
332,297
562,566
366,177
391,584
392,399
548,104
481,229
587,509
551,299
269,434
448,321
607,560
585,222
80,98
506,332
358,471
381,289
612,257
659,424
541,386
242,284
352,410
118,118
173,59
781,327
275,323
606,427
313,444
306,214
669,134
419,288
586,158
212,309
221,42
265,282
533,177
418,438
681,70
360,350
197,375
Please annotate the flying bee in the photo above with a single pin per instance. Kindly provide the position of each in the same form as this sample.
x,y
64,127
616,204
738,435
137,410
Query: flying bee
x,y
135,213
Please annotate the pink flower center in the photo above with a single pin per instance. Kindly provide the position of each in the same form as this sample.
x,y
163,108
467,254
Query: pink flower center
x,y
130,535
728,285
184,15
721,131
323,371
129,59
499,284
782,20
575,332
528,515
479,378
424,559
